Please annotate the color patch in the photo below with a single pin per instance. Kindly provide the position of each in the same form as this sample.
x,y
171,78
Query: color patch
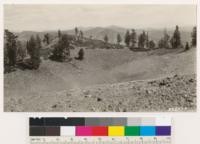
x,y
52,131
105,121
116,131
92,121
148,121
119,122
36,122
73,121
100,131
147,131
134,121
163,130
163,121
67,131
83,131
132,131
37,131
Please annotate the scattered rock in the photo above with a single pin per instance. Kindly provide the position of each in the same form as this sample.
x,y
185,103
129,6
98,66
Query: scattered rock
x,y
99,99
54,106
191,80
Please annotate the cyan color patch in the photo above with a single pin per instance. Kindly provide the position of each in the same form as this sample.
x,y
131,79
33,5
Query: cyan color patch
x,y
147,131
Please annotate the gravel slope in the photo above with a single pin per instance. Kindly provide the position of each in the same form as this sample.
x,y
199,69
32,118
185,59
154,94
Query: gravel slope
x,y
177,93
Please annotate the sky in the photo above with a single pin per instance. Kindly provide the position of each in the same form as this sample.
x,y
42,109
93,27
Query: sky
x,y
52,17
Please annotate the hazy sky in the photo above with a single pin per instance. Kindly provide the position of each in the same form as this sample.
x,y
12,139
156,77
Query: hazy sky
x,y
53,17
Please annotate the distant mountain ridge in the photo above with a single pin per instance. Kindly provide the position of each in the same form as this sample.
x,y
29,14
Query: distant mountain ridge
x,y
111,32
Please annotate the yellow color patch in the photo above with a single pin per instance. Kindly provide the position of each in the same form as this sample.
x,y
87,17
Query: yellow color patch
x,y
115,131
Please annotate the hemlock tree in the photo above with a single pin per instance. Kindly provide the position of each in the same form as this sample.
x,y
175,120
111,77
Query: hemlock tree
x,y
10,48
119,39
133,38
127,38
106,39
194,36
176,38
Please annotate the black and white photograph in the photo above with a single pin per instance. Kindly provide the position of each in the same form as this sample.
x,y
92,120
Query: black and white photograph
x,y
100,58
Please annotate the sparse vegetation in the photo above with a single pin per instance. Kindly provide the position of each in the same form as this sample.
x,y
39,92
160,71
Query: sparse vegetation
x,y
99,61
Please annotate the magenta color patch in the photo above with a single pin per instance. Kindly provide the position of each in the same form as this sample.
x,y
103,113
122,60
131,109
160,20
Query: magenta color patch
x,y
83,131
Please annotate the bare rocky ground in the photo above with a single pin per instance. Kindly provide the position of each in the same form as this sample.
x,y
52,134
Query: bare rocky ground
x,y
107,80
177,93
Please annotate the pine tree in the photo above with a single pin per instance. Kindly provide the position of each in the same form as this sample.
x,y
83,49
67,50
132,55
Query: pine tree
x,y
106,39
147,40
59,33
152,44
176,38
80,54
194,36
81,34
33,48
119,39
21,52
76,33
164,41
47,38
187,46
10,48
127,38
61,50
142,40
133,38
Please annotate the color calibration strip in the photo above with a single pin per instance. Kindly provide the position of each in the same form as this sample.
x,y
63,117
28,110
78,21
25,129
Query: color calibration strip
x,y
144,126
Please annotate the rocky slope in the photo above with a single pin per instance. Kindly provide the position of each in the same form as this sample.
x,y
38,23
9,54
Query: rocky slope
x,y
177,93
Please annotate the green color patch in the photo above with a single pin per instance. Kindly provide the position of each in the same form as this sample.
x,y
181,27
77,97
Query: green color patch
x,y
132,131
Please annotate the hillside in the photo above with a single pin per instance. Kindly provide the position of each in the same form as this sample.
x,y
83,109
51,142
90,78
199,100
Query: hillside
x,y
105,77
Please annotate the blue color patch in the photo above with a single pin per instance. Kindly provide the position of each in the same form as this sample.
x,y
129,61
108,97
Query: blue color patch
x,y
147,131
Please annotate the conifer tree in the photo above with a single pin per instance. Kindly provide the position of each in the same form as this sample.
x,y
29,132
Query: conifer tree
x,y
194,36
10,48
119,39
127,38
176,38
133,38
